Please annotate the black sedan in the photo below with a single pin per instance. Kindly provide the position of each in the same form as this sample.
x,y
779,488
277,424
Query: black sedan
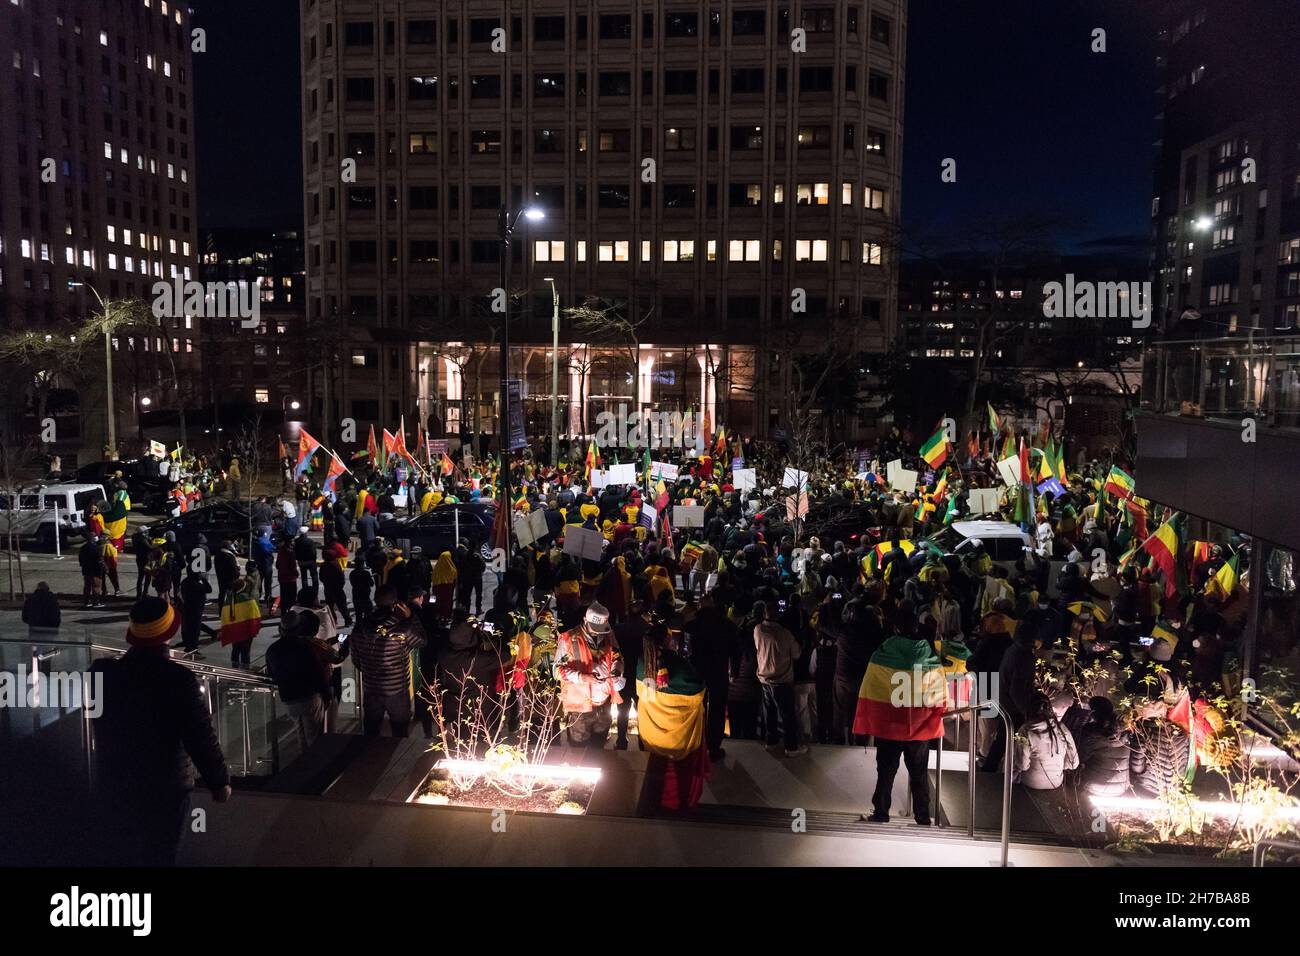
x,y
438,530
147,487
219,520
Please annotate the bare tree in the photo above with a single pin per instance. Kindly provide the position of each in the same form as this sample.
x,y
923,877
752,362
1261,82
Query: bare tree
x,y
607,325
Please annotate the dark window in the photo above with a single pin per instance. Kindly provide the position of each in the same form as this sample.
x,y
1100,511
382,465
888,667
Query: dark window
x,y
749,23
486,87
878,86
422,88
480,30
746,137
681,24
484,251
615,84
745,194
614,141
615,26
819,19
485,197
362,252
876,141
548,29
550,199
679,195
679,82
361,197
816,79
361,144
881,29
358,34
360,89
614,197
421,32
747,81
422,197
548,141
424,251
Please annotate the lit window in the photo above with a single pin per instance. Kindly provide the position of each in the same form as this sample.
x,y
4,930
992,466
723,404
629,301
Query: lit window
x,y
679,250
582,250
846,194
262,396
873,198
103,38
108,150
778,195
713,250
871,253
112,233
548,250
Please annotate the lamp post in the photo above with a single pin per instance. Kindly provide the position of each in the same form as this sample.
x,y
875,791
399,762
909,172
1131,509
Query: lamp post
x,y
555,374
108,369
506,223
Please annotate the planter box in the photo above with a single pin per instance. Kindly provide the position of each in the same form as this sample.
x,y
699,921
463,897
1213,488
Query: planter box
x,y
537,788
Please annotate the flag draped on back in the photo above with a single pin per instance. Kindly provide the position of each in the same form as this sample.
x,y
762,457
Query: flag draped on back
x,y
903,694
306,448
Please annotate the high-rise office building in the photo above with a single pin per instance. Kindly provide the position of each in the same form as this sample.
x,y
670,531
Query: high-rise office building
x,y
718,180
1226,211
96,188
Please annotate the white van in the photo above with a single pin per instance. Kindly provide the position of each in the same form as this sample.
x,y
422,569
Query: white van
x,y
32,512
1004,542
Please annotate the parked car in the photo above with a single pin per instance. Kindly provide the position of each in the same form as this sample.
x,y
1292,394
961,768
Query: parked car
x,y
39,509
219,520
1004,541
147,487
440,529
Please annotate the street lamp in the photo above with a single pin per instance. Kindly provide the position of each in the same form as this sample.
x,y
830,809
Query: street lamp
x,y
108,369
506,223
555,373
146,401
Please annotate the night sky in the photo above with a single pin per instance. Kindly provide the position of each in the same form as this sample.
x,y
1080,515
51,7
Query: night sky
x,y
1038,124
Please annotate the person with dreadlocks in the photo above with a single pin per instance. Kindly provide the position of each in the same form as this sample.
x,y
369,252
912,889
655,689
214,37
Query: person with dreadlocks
x,y
670,720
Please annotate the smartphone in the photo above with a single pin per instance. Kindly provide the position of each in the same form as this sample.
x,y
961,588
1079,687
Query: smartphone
x,y
1146,641
781,605
487,627
837,597
343,637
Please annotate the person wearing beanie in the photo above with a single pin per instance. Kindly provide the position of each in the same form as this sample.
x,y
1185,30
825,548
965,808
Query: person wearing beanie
x,y
153,722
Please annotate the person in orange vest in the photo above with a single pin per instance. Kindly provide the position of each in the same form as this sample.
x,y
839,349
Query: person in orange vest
x,y
590,670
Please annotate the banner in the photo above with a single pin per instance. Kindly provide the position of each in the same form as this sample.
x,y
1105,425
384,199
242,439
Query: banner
x,y
515,399
583,543
744,479
157,449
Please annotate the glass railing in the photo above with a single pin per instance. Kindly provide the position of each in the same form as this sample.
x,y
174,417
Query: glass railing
x,y
255,734
1233,378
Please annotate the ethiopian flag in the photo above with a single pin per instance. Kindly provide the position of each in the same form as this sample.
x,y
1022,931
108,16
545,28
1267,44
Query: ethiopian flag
x,y
1226,578
1164,632
904,692
1165,546
1119,483
995,420
115,518
593,460
935,451
241,618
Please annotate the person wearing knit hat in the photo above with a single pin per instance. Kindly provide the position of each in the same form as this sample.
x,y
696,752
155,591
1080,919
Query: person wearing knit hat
x,y
590,669
152,717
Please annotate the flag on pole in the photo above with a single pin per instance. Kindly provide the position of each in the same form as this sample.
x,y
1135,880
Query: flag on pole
x,y
1119,483
446,464
995,420
390,448
1226,578
935,450
372,448
720,446
593,460
281,451
1165,546
336,469
306,448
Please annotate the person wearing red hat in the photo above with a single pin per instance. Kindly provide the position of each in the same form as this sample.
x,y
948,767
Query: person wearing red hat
x,y
152,719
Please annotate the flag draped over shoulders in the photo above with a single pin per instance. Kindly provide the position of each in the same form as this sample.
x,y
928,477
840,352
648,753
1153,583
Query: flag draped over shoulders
x,y
904,692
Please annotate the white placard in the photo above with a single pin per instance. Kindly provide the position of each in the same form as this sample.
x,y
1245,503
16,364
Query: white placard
x,y
982,501
903,479
797,509
744,479
794,478
650,513
599,479
524,531
1009,469
621,475
537,521
688,516
892,469
662,469
583,542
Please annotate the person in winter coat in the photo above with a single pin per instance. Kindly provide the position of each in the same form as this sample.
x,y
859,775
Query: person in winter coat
x,y
226,563
41,609
1163,750
363,583
711,643
286,569
1105,752
91,560
1045,750
1015,686
304,549
860,635
194,592
777,650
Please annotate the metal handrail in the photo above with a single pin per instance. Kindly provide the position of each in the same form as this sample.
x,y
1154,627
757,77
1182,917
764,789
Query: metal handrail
x,y
198,667
1264,845
980,710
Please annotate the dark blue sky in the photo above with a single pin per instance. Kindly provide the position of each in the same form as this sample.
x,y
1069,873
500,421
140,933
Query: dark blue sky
x,y
1036,122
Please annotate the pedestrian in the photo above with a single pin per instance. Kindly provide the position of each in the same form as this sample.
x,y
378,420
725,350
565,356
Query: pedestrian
x,y
241,619
226,564
591,675
141,546
670,719
363,583
304,549
91,560
301,674
711,641
194,597
333,581
235,476
777,649
1045,750
381,647
286,570
41,610
153,725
